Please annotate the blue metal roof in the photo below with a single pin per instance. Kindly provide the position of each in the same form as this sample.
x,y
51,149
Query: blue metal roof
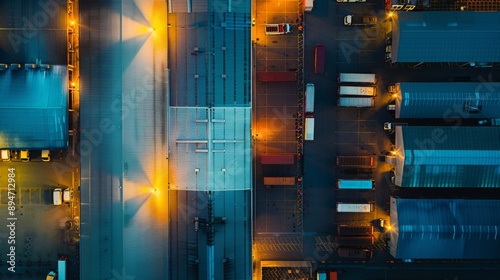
x,y
210,148
215,68
33,30
445,228
446,37
448,157
34,108
448,100
209,137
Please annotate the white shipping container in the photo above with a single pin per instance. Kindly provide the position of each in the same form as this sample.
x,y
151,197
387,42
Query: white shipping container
x,y
309,98
354,207
356,91
357,78
356,102
309,129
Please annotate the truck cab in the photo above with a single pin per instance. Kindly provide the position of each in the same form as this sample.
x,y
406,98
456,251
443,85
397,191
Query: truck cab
x,y
278,29
392,126
359,20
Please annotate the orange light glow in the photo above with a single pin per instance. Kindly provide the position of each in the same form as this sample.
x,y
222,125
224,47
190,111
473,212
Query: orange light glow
x,y
72,22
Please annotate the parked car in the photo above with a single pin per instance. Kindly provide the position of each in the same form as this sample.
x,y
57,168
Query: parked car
x,y
5,155
51,276
25,155
381,223
67,195
45,155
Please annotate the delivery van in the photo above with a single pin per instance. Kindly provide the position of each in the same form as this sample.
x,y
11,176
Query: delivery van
x,y
57,196
67,195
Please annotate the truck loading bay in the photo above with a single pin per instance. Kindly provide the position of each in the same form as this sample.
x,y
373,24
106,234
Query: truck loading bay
x,y
303,226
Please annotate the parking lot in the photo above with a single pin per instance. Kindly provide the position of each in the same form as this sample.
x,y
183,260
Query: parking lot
x,y
339,131
43,231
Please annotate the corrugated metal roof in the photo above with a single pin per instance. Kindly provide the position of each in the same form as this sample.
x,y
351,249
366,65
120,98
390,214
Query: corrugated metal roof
x,y
446,37
34,108
445,228
210,148
448,100
215,68
33,30
448,157
209,137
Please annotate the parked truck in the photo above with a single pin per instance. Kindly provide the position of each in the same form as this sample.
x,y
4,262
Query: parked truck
x,y
356,102
278,29
359,20
354,230
277,76
356,161
391,126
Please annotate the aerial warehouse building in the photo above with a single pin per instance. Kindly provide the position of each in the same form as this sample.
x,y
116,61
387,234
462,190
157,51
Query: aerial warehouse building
x,y
33,76
210,156
444,228
448,100
445,37
447,156
34,108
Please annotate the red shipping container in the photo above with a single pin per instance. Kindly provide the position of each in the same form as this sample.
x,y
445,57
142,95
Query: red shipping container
x,y
277,159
